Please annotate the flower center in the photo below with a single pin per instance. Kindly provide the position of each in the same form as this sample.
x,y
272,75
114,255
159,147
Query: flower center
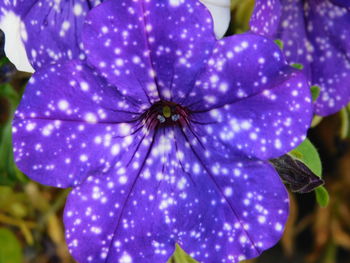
x,y
165,113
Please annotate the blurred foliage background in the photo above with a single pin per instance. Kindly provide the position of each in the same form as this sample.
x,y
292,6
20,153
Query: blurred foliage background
x,y
31,228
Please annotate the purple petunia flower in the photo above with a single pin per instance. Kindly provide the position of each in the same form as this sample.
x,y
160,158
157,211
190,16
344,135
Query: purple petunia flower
x,y
315,33
46,31
164,134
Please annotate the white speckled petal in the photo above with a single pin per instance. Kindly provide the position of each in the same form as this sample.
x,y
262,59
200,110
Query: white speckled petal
x,y
50,30
12,26
221,13
253,100
71,124
132,47
217,208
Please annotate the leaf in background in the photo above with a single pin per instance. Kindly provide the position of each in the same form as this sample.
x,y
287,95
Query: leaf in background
x,y
10,248
279,43
345,123
322,196
9,173
315,92
316,120
307,153
241,15
13,203
180,256
297,66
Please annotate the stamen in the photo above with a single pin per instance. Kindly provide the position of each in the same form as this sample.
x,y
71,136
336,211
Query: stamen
x,y
161,118
175,117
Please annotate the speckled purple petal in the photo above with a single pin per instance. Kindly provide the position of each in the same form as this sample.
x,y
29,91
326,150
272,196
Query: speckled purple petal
x,y
116,218
217,208
52,28
158,45
328,29
20,7
70,124
266,17
316,34
253,100
344,3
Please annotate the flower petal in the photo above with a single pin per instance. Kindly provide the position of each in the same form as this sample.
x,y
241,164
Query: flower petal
x,y
116,218
235,217
344,3
136,50
253,100
123,211
322,47
50,30
240,66
217,208
330,64
266,16
70,124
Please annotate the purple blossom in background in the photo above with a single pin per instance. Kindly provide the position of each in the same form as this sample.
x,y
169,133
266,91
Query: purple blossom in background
x,y
50,30
166,139
315,33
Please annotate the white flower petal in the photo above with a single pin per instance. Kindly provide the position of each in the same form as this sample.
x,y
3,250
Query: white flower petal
x,y
220,11
15,34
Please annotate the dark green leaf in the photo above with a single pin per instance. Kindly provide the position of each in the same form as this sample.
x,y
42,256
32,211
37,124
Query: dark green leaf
x,y
3,61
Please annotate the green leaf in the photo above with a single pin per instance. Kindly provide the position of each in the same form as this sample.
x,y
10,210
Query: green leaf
x,y
316,120
10,248
9,173
315,92
307,153
180,256
297,66
322,196
345,123
279,43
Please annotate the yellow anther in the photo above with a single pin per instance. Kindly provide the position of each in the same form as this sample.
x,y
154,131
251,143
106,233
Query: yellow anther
x,y
166,111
